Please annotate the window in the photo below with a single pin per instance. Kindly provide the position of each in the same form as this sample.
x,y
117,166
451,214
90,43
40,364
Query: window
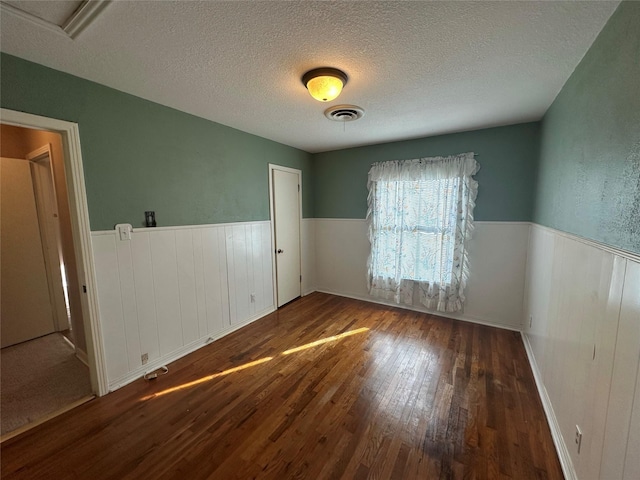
x,y
420,215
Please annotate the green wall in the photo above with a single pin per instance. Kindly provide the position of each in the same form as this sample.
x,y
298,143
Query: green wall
x,y
589,174
577,171
139,155
507,157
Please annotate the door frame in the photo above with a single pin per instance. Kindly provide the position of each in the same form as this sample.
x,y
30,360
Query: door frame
x,y
81,232
272,222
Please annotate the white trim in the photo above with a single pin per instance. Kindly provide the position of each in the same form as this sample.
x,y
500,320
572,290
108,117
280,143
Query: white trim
x,y
452,316
323,219
496,222
273,166
82,356
80,230
297,172
482,222
635,257
309,273
40,152
274,278
72,26
96,233
561,447
84,16
181,352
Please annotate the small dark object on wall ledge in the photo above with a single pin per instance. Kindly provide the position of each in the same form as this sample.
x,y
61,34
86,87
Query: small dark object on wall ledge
x,y
150,219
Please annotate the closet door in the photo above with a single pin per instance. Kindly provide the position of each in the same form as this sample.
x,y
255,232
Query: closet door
x,y
25,305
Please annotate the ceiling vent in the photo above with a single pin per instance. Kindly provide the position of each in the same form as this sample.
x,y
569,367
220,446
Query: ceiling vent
x,y
344,113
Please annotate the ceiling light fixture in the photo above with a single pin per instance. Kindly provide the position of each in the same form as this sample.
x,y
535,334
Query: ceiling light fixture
x,y
324,84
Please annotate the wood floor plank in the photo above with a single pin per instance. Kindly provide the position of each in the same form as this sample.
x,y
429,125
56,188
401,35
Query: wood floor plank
x,y
325,388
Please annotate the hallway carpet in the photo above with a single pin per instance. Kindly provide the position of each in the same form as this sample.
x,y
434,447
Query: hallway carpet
x,y
37,378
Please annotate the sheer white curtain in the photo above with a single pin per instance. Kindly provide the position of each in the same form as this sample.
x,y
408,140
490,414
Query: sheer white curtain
x,y
420,221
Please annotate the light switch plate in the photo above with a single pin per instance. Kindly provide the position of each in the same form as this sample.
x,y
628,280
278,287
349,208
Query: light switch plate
x,y
124,231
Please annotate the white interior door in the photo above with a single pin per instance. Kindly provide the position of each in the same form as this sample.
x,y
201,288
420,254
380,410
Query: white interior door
x,y
50,232
25,304
286,213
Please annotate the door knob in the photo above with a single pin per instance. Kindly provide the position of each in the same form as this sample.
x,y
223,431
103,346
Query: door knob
x,y
280,250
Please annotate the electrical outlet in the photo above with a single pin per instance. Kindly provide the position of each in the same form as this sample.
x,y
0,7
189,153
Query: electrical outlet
x,y
578,437
145,358
253,298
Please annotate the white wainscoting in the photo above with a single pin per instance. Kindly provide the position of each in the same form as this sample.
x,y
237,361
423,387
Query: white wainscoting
x,y
497,255
170,290
581,328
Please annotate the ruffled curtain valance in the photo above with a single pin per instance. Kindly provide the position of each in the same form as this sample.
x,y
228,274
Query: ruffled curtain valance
x,y
420,215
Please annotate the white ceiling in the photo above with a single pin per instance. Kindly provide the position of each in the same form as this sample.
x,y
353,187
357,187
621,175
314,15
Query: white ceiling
x,y
55,12
417,68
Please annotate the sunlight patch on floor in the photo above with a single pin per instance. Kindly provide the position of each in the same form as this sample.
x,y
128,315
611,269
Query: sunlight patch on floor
x,y
326,340
207,378
254,363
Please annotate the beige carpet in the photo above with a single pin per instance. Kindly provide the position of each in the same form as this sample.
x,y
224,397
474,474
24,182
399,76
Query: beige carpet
x,y
38,378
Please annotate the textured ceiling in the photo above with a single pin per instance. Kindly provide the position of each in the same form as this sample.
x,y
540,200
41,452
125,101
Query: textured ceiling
x,y
417,68
55,12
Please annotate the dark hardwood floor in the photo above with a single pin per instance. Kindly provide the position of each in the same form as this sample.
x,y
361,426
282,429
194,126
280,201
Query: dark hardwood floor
x,y
327,387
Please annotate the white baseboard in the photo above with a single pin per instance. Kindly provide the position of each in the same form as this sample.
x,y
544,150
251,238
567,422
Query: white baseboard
x,y
453,316
561,447
82,356
181,352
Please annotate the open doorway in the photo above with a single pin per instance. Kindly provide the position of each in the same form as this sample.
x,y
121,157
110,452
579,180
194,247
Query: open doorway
x,y
47,360
39,266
